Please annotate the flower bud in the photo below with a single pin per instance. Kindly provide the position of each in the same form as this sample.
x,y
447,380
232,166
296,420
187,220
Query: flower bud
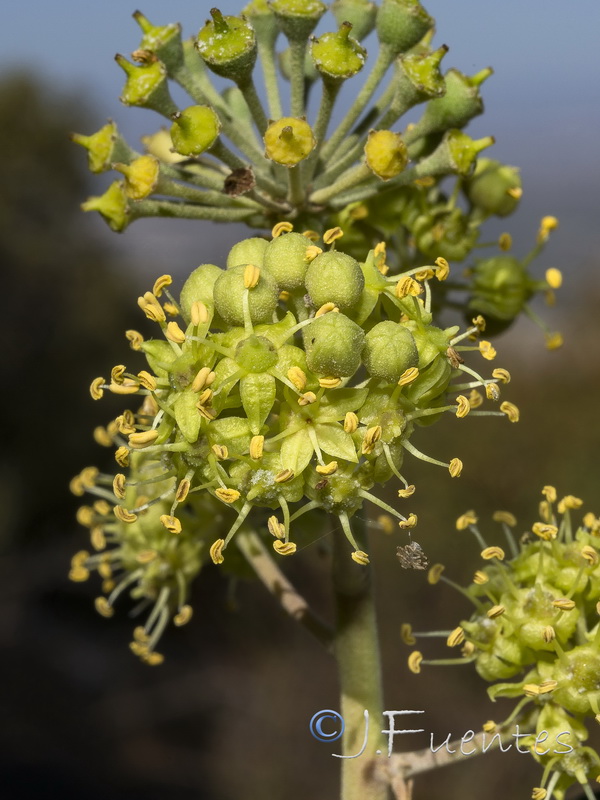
x,y
146,85
335,277
248,251
194,130
401,24
162,40
199,288
228,46
229,290
389,351
494,188
113,205
104,147
333,345
288,141
446,233
386,154
338,55
285,258
500,288
359,13
297,18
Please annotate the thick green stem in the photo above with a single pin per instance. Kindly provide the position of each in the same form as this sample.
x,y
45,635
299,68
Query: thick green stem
x,y
356,650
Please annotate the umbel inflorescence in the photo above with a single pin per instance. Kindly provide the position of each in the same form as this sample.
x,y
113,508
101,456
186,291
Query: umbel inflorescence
x,y
536,620
290,382
227,156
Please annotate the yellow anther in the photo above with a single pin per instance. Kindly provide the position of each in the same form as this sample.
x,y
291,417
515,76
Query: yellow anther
x,y
479,322
221,451
79,574
487,350
256,447
372,436
425,274
511,411
409,376
407,286
103,607
385,522
312,252
531,690
119,482
455,468
147,380
442,268
568,502
475,398
506,517
329,383
456,637
284,476
326,308
545,511
171,523
139,649
332,234
547,225
122,456
554,341
142,439
97,538
151,307
153,659
548,634
199,313
360,557
200,381
146,556
174,333
281,227
276,528
284,548
407,492
466,519
554,278
409,522
228,495
216,551
550,494
313,236
488,553
184,616
505,242
149,407
591,522
350,422
545,531
124,515
76,486
564,604
307,399
96,388
489,726
496,611
105,571
102,437
284,295
462,406
480,578
171,309
102,507
502,375
538,793
406,634
127,387
182,490
160,284
327,469
414,661
435,573
135,339
79,558
116,373
125,425
298,377
251,276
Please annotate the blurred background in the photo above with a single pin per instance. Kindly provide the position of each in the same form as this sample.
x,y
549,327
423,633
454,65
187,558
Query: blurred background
x,y
226,716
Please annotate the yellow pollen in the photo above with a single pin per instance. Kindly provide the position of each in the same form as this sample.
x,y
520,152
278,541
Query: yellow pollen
x,y
554,341
493,552
327,469
216,551
256,447
547,225
360,557
487,350
285,476
160,284
548,634
456,637
462,406
312,252
119,482
171,523
443,268
409,522
511,411
127,387
502,375
312,236
221,451
199,313
329,383
408,492
455,468
147,380
85,516
281,227
466,519
174,333
408,376
479,323
76,486
406,634
550,494
151,307
171,309
385,522
79,574
122,456
506,517
200,381
251,276
492,392
284,548
489,726
496,611
414,662
350,422
276,528
554,278
538,793
135,339
184,616
326,308
307,399
407,286
435,573
332,235
116,373
124,515
425,274
182,490
153,659
97,538
480,578
103,607
564,604
228,495
568,502
475,398
505,242
284,295
102,507
591,522
96,388
102,437
372,436
545,531
298,377
142,439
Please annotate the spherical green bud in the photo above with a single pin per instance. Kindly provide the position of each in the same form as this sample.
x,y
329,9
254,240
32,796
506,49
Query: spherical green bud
x,y
288,141
113,205
199,288
333,345
337,55
248,251
500,288
359,13
297,18
445,233
285,258
389,351
228,46
104,148
401,24
335,277
194,130
229,292
386,154
494,188
146,85
162,40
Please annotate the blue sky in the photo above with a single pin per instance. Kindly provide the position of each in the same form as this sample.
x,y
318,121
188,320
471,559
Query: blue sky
x,y
542,103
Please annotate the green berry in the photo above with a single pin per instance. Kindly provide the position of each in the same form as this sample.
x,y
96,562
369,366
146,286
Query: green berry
x,y
228,46
389,351
194,130
229,292
285,259
199,287
335,277
338,56
333,345
248,251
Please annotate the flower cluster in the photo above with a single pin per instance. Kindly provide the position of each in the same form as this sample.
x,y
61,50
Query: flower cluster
x,y
290,381
537,616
